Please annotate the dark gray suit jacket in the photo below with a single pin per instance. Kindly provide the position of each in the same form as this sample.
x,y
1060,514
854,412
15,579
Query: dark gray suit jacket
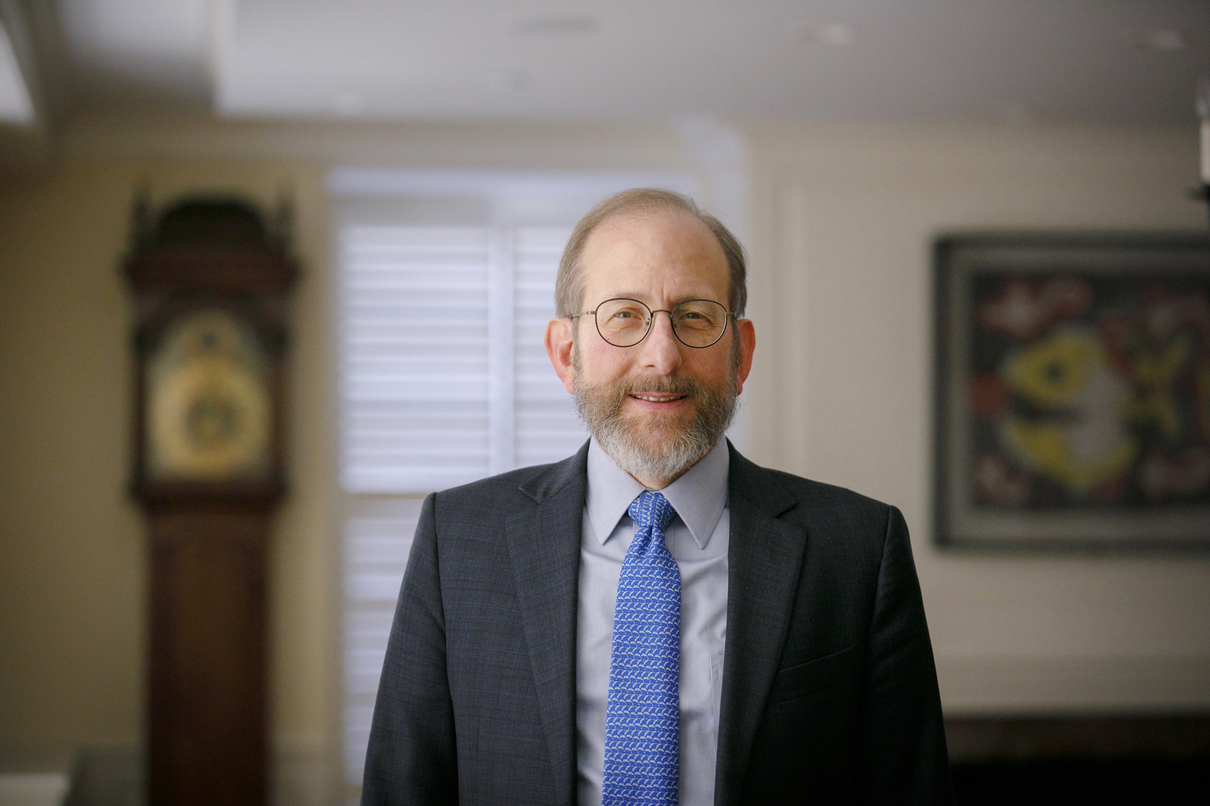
x,y
829,689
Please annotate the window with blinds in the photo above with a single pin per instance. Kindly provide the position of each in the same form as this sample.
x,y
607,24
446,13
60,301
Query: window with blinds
x,y
445,285
444,378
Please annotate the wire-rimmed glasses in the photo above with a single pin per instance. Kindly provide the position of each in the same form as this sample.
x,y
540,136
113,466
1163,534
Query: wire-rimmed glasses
x,y
696,323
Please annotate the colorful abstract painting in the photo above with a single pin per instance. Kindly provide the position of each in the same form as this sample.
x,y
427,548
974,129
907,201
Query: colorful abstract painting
x,y
1074,389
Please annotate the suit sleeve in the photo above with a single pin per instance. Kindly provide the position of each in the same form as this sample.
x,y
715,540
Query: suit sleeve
x,y
902,753
411,757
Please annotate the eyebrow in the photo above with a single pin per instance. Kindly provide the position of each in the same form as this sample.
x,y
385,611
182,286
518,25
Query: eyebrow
x,y
639,298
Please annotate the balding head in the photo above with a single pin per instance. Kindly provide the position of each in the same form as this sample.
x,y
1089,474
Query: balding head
x,y
569,285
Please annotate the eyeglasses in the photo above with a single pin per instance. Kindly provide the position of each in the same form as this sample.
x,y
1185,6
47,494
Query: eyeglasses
x,y
696,323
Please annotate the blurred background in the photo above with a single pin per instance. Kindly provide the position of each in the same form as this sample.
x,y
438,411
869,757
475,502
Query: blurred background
x,y
838,138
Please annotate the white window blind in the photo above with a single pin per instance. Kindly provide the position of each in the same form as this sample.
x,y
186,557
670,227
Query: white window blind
x,y
414,379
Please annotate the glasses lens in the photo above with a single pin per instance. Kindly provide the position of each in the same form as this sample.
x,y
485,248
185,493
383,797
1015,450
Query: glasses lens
x,y
699,322
623,322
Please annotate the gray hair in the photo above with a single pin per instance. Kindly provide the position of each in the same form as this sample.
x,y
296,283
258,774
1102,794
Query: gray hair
x,y
569,284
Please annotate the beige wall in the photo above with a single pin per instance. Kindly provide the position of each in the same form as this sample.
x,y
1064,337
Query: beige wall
x,y
71,566
841,219
72,579
846,218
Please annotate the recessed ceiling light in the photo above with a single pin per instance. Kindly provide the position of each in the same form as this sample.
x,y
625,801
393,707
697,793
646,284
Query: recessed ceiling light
x,y
557,25
830,33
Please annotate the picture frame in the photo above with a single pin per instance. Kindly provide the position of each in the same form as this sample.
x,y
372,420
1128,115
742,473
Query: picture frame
x,y
1072,390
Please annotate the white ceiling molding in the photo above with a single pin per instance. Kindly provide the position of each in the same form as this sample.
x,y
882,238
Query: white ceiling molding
x,y
16,106
127,51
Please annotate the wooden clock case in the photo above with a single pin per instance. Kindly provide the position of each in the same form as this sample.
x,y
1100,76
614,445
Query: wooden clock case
x,y
208,532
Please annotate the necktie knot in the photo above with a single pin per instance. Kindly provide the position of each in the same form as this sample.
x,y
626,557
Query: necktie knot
x,y
651,510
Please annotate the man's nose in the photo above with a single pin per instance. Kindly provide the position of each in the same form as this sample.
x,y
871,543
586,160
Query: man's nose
x,y
661,348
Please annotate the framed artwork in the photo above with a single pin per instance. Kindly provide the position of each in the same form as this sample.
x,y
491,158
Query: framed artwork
x,y
1072,390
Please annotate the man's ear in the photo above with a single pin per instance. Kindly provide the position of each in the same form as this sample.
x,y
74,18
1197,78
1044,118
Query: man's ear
x,y
747,345
558,348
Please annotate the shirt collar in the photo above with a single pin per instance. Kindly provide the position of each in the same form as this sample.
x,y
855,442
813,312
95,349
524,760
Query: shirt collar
x,y
699,496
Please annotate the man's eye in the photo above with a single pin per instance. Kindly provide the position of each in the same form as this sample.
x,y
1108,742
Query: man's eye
x,y
692,318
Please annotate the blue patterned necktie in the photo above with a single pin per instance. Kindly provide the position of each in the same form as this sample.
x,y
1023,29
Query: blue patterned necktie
x,y
642,717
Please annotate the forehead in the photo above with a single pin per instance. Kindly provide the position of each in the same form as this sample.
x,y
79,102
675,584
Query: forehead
x,y
662,254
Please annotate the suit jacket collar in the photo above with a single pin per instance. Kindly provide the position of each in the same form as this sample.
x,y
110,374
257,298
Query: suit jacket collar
x,y
764,566
550,480
544,544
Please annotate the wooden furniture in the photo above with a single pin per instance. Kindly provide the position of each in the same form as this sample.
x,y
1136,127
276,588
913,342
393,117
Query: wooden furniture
x,y
1063,759
981,739
209,280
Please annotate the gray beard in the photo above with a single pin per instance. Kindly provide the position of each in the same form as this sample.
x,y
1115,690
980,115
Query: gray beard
x,y
661,451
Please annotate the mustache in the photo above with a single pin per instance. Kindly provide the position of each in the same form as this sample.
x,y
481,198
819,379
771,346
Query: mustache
x,y
668,385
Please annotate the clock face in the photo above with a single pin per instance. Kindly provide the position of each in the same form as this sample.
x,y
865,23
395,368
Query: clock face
x,y
209,413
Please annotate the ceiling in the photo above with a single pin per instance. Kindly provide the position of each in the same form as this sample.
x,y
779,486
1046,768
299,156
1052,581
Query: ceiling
x,y
1100,61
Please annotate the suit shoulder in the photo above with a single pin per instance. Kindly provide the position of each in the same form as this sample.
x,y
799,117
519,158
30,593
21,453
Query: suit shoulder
x,y
504,488
515,489
850,527
815,502
814,493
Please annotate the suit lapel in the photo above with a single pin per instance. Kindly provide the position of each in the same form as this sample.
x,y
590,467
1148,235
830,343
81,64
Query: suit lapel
x,y
764,561
544,544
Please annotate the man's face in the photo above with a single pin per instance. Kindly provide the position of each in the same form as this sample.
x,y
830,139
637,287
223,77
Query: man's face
x,y
659,406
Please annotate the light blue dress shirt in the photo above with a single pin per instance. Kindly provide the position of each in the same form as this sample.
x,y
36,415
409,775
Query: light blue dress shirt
x,y
698,539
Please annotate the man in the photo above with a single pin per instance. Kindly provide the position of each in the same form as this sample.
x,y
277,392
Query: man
x,y
656,619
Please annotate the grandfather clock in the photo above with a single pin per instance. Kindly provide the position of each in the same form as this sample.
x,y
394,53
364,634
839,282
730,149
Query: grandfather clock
x,y
209,278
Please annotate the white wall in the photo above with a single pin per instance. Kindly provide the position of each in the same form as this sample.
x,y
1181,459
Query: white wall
x,y
842,297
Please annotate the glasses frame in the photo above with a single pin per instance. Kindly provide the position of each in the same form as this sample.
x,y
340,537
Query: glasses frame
x,y
728,315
